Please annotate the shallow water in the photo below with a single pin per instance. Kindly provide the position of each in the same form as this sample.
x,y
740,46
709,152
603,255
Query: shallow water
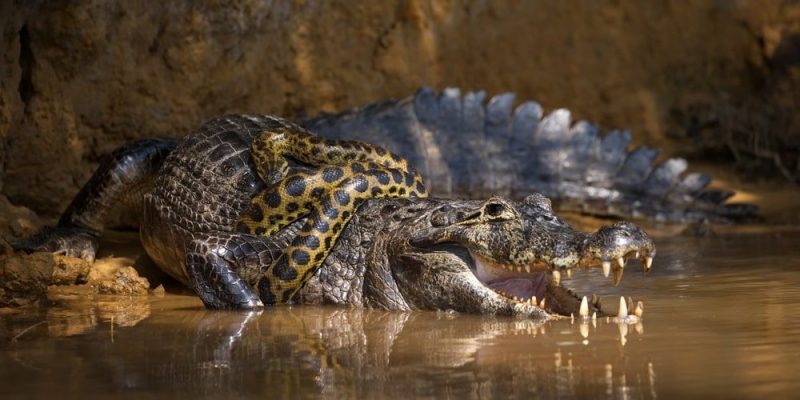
x,y
721,320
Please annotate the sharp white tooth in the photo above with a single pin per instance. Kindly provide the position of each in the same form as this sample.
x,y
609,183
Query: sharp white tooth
x,y
648,262
606,268
621,262
556,277
532,301
636,255
623,308
594,316
639,310
618,275
519,269
541,304
569,273
528,269
584,310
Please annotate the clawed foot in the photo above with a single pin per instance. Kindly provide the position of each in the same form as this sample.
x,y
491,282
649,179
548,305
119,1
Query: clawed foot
x,y
68,241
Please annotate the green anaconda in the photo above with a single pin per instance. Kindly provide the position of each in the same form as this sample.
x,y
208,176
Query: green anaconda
x,y
347,174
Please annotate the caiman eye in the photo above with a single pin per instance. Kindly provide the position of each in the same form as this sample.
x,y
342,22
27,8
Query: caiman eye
x,y
494,209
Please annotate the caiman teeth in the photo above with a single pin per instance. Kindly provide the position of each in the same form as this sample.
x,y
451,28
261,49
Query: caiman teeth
x,y
648,262
556,277
623,308
618,275
569,273
639,310
606,268
621,262
595,301
584,310
541,304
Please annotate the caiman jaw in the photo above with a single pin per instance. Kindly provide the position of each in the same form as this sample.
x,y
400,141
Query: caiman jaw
x,y
539,284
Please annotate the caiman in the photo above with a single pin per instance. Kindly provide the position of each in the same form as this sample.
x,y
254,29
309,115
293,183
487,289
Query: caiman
x,y
197,199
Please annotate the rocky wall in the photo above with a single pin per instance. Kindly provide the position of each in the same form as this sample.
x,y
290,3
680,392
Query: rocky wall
x,y
79,78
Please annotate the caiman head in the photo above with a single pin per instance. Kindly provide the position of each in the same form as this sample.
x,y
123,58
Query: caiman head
x,y
498,256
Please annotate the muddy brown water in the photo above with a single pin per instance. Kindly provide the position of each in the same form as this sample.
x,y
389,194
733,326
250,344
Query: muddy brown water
x,y
722,320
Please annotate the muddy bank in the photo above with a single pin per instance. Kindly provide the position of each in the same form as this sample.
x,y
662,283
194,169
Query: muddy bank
x,y
79,79
27,279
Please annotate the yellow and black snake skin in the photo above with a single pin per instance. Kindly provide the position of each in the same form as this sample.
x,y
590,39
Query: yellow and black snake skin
x,y
347,174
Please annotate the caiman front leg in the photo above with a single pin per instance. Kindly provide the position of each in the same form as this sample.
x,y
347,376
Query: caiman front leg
x,y
223,267
120,180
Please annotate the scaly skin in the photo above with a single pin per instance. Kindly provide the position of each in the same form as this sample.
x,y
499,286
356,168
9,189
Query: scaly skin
x,y
348,173
395,254
470,146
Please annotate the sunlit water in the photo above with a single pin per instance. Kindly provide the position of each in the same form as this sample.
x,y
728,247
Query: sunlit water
x,y
722,320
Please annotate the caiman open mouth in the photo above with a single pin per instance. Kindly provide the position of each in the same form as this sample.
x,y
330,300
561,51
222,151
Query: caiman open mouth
x,y
538,284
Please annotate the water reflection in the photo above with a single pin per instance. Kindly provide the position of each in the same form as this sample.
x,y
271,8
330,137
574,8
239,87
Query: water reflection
x,y
719,311
185,350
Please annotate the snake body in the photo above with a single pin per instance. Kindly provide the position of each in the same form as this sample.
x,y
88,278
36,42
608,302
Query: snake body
x,y
342,176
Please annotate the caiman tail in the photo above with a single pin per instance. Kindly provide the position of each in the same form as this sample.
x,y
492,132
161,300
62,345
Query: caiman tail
x,y
467,147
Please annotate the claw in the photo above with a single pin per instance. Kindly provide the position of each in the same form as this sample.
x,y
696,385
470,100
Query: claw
x,y
606,268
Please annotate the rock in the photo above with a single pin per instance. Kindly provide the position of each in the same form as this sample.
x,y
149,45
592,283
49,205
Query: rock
x,y
70,270
24,278
115,275
28,278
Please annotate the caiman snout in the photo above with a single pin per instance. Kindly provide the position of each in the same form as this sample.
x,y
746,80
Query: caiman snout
x,y
513,254
613,245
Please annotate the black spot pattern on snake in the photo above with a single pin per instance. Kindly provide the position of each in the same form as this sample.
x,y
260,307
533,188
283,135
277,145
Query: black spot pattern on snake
x,y
342,197
332,174
383,177
272,199
301,257
345,175
295,186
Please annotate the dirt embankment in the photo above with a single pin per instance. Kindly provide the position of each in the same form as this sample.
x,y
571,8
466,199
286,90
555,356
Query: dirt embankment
x,y
78,79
